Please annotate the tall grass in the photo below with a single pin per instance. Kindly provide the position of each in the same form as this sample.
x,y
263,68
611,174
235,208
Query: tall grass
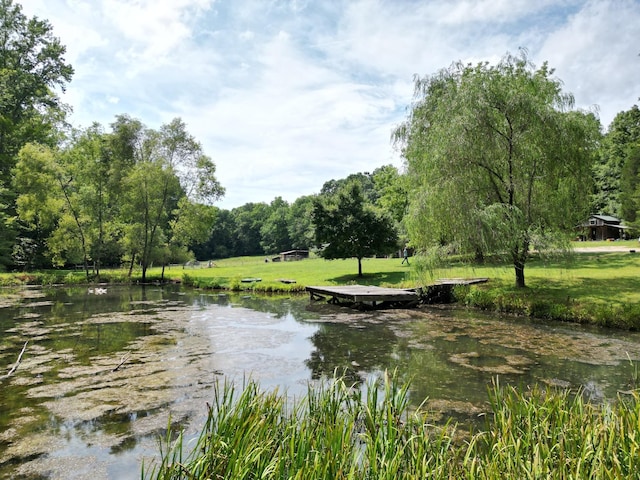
x,y
544,434
340,432
334,432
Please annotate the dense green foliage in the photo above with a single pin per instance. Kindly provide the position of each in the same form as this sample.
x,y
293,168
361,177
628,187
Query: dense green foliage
x,y
32,67
622,149
267,229
340,432
348,227
133,193
497,160
617,168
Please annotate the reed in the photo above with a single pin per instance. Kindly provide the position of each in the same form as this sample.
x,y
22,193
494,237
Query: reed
x,y
339,431
336,431
556,434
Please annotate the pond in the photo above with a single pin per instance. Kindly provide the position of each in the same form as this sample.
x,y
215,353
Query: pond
x,y
105,371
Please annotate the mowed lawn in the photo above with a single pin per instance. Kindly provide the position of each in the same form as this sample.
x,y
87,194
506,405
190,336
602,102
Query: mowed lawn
x,y
595,286
599,277
311,271
593,277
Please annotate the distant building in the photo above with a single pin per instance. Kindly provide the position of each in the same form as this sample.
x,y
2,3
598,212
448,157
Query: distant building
x,y
603,227
293,255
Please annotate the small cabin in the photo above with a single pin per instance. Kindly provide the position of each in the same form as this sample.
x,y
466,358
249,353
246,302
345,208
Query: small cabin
x,y
603,227
293,255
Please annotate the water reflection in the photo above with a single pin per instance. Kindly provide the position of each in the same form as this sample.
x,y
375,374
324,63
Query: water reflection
x,y
103,374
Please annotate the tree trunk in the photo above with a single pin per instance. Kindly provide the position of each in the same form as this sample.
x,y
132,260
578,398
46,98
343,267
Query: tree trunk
x,y
519,267
162,274
479,256
144,272
359,266
519,256
133,260
86,268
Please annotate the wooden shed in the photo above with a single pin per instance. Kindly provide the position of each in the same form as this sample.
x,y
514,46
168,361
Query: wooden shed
x,y
292,255
603,227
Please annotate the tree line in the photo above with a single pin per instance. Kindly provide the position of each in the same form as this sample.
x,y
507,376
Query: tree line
x,y
102,197
359,216
497,160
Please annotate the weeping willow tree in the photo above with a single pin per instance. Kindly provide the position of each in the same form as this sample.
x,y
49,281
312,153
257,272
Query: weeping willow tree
x,y
499,159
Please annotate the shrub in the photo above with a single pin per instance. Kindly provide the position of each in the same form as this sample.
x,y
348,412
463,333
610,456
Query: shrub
x,y
235,285
479,298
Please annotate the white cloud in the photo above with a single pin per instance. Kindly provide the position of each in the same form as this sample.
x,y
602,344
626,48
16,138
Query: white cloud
x,y
295,127
286,94
596,55
489,11
246,35
154,27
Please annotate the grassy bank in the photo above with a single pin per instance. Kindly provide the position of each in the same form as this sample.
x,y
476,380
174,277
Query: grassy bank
x,y
600,288
336,432
229,273
279,276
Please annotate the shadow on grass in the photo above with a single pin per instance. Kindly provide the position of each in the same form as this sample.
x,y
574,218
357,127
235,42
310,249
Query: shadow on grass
x,y
581,288
594,261
374,279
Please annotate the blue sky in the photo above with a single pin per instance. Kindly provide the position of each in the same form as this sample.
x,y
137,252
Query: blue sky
x,y
287,94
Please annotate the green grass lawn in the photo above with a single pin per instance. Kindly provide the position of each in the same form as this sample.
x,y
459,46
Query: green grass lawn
x,y
313,271
594,287
591,287
599,277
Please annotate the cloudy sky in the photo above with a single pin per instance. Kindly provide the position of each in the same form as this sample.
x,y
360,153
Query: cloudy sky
x,y
287,94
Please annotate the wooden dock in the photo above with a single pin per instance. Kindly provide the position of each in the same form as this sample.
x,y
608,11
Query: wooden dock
x,y
460,281
442,290
378,297
363,295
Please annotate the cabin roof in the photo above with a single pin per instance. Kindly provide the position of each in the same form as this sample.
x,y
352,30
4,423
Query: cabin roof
x,y
607,218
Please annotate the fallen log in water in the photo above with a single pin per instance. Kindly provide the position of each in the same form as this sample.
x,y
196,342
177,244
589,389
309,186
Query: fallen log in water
x,y
15,367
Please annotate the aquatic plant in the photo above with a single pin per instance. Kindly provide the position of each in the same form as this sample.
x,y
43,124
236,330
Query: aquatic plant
x,y
336,432
555,434
341,432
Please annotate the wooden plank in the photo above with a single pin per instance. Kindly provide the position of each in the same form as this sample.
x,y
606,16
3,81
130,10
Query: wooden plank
x,y
460,281
440,292
364,293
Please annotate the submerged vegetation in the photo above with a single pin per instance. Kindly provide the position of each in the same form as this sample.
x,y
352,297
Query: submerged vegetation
x,y
338,431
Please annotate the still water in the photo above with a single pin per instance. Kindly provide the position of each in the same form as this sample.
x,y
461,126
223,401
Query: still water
x,y
103,373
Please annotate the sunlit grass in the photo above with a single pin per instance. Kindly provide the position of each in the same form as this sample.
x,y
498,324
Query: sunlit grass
x,y
313,271
554,434
607,277
596,287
